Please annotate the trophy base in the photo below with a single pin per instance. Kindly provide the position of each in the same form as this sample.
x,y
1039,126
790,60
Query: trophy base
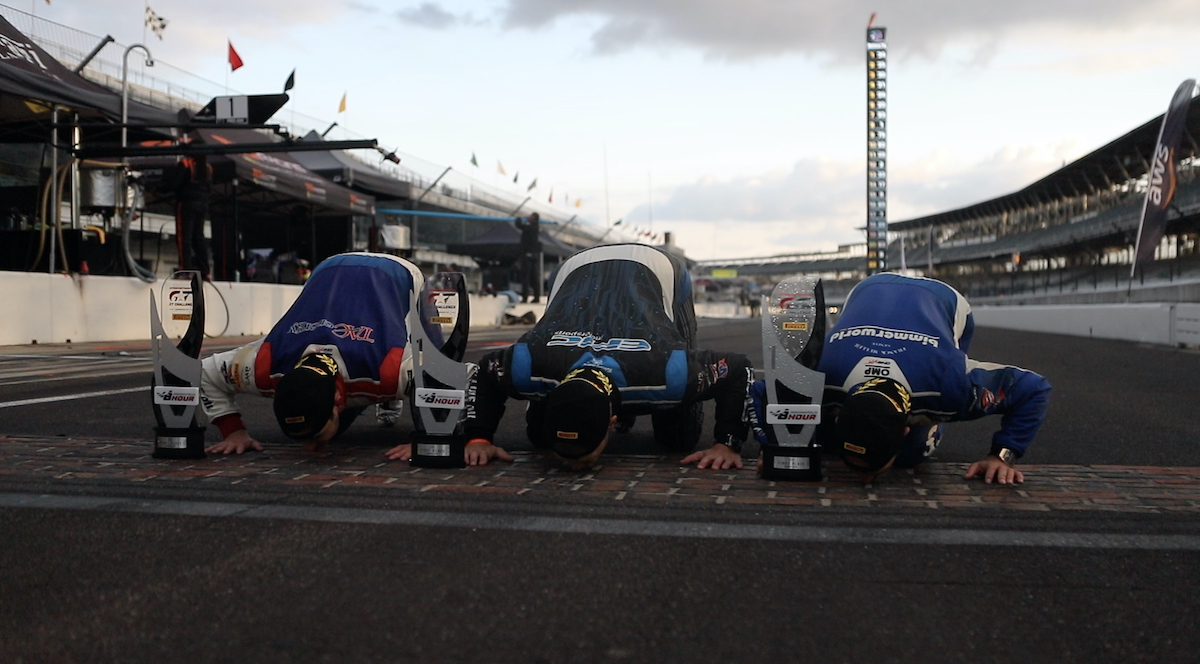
x,y
795,464
178,443
430,451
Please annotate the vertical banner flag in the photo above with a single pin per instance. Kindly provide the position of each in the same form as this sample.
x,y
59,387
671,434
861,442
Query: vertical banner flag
x,y
1160,187
291,82
500,168
531,185
342,106
155,22
235,60
474,161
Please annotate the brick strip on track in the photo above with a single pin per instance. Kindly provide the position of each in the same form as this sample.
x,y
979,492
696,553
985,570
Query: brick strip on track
x,y
644,480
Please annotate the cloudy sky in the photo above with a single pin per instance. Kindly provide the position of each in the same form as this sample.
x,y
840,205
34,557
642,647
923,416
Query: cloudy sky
x,y
737,126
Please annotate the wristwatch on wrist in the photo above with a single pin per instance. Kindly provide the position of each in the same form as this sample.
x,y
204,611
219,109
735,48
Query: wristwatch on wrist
x,y
1007,456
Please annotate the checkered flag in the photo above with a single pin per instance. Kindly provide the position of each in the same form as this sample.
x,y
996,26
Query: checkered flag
x,y
155,22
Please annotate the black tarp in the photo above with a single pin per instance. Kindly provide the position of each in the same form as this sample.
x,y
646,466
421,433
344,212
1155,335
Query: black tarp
x,y
343,169
279,172
29,73
502,245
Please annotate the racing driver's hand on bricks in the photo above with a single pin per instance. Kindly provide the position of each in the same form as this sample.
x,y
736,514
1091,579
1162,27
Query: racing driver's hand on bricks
x,y
400,452
479,452
235,443
993,468
717,457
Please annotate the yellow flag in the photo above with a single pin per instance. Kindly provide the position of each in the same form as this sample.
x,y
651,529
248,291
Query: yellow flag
x,y
578,202
342,106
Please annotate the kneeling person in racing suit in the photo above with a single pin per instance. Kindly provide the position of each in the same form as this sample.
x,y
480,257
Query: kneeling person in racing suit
x,y
896,367
340,347
616,342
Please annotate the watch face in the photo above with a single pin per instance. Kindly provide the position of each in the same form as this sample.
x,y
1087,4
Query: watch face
x,y
1007,456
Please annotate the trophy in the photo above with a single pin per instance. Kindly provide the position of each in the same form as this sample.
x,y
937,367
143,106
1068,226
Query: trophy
x,y
439,339
793,332
176,380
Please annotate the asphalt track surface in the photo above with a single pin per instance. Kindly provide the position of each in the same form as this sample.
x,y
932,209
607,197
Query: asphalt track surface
x,y
111,555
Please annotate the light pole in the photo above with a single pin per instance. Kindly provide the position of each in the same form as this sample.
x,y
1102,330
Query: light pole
x,y
139,271
125,88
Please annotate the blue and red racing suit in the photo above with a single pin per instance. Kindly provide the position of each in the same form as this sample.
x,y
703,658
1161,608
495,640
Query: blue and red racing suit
x,y
625,309
357,307
917,331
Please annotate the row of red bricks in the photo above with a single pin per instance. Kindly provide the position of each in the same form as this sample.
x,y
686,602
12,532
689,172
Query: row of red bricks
x,y
630,478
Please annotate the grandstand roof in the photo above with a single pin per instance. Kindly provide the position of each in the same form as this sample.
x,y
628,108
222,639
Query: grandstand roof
x,y
1124,159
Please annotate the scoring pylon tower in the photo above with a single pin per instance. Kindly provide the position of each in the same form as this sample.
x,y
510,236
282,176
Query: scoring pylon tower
x,y
877,70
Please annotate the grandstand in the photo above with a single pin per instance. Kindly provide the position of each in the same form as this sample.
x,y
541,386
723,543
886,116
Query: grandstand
x,y
1065,238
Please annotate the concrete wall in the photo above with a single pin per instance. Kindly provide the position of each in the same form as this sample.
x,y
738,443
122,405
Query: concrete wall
x,y
1158,323
56,308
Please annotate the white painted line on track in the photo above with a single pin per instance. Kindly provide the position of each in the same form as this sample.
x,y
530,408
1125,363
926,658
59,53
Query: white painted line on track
x,y
122,358
645,528
69,397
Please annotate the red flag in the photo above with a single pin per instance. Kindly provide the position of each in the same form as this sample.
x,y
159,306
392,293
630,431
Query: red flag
x,y
235,60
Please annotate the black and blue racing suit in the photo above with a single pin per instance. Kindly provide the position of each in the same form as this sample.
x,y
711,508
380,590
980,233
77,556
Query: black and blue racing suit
x,y
625,309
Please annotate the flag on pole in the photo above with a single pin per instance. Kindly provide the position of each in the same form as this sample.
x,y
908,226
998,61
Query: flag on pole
x,y
291,82
516,177
235,60
1161,180
342,106
155,22
474,162
578,202
500,168
531,185
615,223
551,199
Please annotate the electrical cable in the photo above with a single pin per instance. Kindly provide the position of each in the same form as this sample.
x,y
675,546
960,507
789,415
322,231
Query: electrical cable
x,y
224,304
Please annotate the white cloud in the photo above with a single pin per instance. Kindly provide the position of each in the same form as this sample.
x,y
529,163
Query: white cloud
x,y
821,203
812,187
756,28
428,15
936,182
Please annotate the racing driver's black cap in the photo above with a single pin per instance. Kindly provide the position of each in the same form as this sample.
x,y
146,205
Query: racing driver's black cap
x,y
578,412
870,426
305,396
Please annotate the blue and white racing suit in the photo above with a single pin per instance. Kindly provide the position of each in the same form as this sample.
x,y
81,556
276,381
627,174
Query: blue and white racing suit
x,y
356,307
917,331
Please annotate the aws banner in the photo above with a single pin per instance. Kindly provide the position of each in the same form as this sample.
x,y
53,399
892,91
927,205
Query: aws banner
x,y
1161,187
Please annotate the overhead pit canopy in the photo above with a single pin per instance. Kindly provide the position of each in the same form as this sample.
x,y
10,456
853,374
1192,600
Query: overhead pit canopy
x,y
348,171
281,173
502,245
31,80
